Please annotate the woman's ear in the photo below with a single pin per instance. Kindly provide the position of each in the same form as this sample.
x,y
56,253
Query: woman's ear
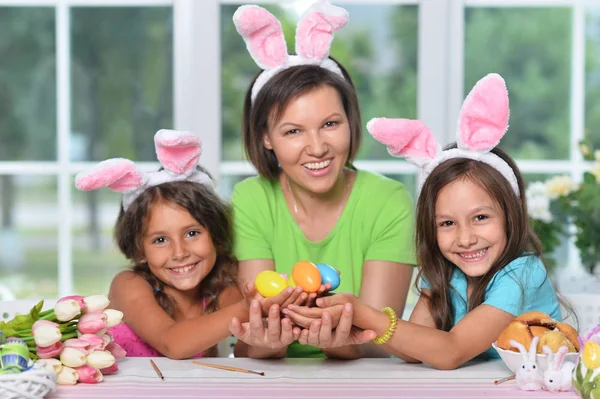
x,y
267,141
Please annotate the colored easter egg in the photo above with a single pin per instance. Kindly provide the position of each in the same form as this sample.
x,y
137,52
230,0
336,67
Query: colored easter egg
x,y
14,353
329,275
307,276
291,282
270,283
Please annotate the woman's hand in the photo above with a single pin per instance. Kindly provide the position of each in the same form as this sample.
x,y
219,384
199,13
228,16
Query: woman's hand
x,y
278,333
322,335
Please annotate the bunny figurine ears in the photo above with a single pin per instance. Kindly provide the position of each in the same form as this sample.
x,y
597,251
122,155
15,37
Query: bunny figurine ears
x,y
483,122
177,151
264,39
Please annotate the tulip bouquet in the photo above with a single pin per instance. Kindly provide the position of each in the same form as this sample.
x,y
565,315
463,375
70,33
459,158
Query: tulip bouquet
x,y
71,339
586,376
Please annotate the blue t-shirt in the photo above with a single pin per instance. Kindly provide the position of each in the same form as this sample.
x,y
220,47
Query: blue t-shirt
x,y
521,286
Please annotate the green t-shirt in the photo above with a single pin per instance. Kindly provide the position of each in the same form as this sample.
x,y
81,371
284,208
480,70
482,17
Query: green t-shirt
x,y
377,223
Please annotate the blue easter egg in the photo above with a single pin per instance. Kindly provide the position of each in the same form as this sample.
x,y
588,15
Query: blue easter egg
x,y
329,275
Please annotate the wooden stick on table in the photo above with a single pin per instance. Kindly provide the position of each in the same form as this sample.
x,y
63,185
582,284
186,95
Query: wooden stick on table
x,y
239,370
155,367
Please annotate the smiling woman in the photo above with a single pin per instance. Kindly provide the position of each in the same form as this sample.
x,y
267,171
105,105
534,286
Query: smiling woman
x,y
302,131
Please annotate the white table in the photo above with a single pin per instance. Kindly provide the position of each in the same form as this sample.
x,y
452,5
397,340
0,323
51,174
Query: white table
x,y
301,378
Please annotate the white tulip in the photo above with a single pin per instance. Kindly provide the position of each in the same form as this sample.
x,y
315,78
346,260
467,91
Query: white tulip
x,y
52,365
67,376
113,317
100,359
72,357
66,310
95,302
46,335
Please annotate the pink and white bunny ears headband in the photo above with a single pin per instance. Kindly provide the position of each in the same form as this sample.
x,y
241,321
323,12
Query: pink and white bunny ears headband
x,y
264,39
483,122
178,153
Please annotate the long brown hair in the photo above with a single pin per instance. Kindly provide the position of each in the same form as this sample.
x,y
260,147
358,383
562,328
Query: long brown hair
x,y
434,267
209,210
270,104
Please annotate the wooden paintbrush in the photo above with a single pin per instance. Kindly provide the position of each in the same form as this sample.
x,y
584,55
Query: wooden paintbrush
x,y
239,370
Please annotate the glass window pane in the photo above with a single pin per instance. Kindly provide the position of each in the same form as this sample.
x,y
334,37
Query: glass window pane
x,y
27,84
96,258
28,236
592,76
122,78
378,47
531,49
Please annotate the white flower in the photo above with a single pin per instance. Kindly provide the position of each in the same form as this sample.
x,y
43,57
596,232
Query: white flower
x,y
72,357
100,359
559,186
67,376
52,365
95,302
66,310
596,171
113,317
538,202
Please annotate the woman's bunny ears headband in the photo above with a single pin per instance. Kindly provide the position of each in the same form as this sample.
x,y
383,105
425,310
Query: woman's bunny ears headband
x,y
483,122
178,153
264,39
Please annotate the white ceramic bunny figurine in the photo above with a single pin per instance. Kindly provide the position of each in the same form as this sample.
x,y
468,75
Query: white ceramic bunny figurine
x,y
529,375
558,375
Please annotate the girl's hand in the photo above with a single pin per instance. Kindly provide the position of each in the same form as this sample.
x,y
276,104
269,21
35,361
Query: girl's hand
x,y
323,291
337,299
322,335
283,299
303,316
278,334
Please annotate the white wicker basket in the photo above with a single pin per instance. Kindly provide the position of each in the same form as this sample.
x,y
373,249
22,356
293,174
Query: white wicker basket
x,y
31,384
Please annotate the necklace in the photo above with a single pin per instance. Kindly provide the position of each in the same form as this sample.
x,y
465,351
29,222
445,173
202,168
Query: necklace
x,y
344,199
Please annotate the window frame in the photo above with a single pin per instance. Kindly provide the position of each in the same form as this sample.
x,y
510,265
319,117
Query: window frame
x,y
197,71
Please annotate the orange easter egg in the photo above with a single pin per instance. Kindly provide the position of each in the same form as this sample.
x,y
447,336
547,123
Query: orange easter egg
x,y
307,276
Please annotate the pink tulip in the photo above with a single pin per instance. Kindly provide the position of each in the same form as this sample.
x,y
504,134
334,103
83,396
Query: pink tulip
x,y
80,344
92,322
76,298
106,338
95,342
48,352
89,375
110,370
45,333
117,351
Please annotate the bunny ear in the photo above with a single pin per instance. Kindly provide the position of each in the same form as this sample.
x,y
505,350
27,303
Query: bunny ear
x,y
263,35
118,174
406,138
560,357
315,29
533,347
519,346
484,115
548,352
176,150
